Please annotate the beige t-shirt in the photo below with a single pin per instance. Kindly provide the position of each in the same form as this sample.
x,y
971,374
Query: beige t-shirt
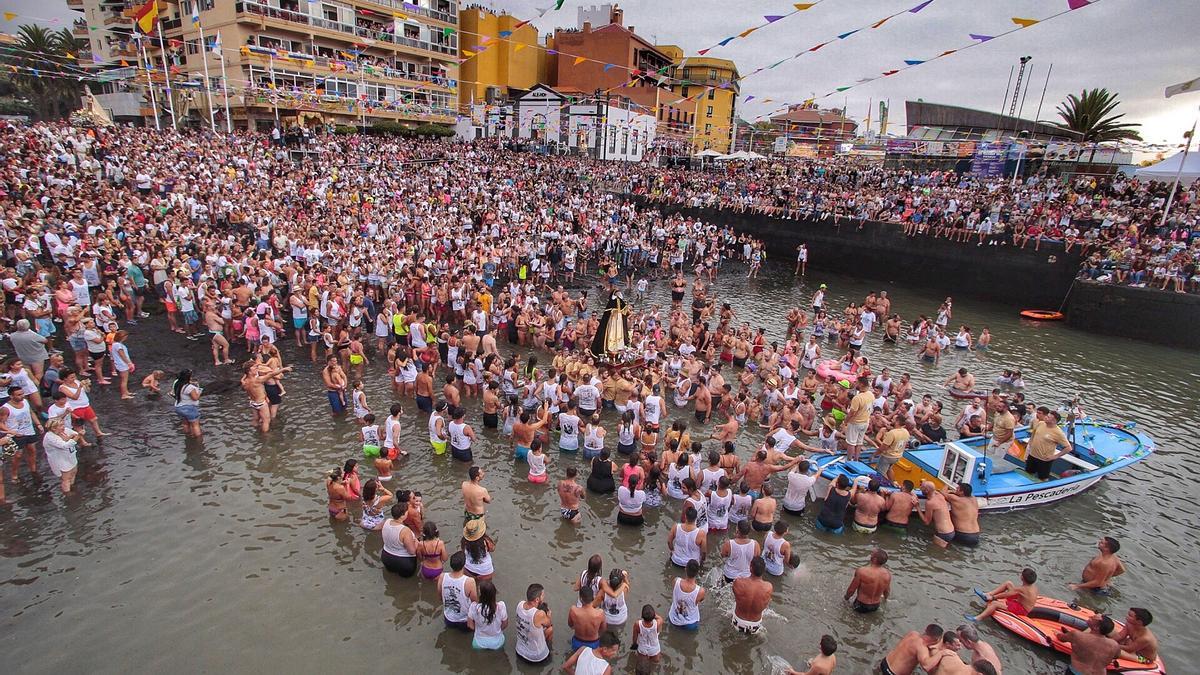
x,y
894,442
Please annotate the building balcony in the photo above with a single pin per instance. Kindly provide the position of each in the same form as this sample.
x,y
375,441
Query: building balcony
x,y
336,68
75,4
79,29
450,17
115,19
293,20
339,106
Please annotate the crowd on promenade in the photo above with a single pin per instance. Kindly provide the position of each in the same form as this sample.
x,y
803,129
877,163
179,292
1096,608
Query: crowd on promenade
x,y
1113,223
435,274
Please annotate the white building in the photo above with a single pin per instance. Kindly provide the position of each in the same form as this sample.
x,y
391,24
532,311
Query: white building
x,y
610,129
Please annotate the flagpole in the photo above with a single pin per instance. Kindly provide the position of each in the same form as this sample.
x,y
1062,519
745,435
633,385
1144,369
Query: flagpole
x,y
271,88
212,113
166,72
1175,185
224,85
149,82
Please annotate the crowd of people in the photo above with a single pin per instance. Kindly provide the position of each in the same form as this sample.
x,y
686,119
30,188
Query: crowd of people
x,y
475,282
1114,224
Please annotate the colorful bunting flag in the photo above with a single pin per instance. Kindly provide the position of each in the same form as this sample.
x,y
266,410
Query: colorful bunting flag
x,y
519,46
843,36
609,66
9,16
1076,4
948,52
880,22
749,98
842,88
558,5
773,18
913,62
505,33
981,38
813,49
702,52
727,40
921,6
801,6
1024,23
747,31
447,32
578,59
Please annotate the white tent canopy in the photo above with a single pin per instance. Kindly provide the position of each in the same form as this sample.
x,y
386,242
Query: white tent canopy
x,y
1166,169
709,153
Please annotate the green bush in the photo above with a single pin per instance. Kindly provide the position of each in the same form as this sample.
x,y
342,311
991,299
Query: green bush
x,y
390,128
434,131
345,129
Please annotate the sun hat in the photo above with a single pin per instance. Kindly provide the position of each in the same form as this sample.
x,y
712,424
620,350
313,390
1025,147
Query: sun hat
x,y
474,530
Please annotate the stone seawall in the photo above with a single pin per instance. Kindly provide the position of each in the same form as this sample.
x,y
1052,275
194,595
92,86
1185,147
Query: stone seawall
x,y
1021,279
1140,313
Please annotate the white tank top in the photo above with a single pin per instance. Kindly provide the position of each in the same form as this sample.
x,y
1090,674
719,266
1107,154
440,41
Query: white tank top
x,y
389,432
684,610
433,430
531,640
737,565
773,553
709,479
392,542
454,598
647,643
592,440
651,409
19,419
537,464
718,509
615,610
458,438
741,508
590,664
625,435
675,476
686,547
701,506
568,438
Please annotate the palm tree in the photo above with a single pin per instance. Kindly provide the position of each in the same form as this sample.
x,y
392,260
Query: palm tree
x,y
45,73
1090,114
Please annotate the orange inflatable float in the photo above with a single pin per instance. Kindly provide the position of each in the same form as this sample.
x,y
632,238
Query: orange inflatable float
x,y
1049,616
1042,315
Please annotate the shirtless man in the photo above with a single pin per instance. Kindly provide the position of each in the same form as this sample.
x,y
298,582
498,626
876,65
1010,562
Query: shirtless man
x,y
932,351
587,620
962,381
703,401
964,513
980,650
868,505
899,506
1136,640
751,595
937,513
335,385
757,471
823,664
524,431
450,392
943,658
254,376
727,431
569,494
1091,650
904,657
216,331
424,389
475,496
1100,570
871,585
1010,597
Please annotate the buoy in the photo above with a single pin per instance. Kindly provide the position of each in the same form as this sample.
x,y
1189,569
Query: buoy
x,y
1042,315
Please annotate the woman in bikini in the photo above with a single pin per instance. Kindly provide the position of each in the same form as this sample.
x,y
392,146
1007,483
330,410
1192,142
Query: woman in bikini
x,y
432,552
337,488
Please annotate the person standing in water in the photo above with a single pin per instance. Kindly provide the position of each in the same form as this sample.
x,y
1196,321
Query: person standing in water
x,y
534,627
871,584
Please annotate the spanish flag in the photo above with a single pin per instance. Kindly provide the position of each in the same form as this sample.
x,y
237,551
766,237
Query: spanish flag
x,y
146,16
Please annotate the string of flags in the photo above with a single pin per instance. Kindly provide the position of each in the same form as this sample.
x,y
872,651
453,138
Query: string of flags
x,y
770,19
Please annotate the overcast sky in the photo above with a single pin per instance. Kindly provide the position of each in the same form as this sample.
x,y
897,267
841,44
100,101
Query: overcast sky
x,y
1134,47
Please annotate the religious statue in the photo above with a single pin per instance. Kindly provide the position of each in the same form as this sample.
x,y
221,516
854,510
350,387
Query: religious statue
x,y
612,335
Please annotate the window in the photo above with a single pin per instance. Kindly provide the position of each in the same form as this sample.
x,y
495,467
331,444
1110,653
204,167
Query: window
x,y
684,93
412,32
330,12
624,142
687,73
193,46
712,94
612,140
710,111
707,129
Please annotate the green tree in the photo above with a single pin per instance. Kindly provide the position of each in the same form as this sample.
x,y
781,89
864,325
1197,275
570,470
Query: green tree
x,y
46,75
1091,114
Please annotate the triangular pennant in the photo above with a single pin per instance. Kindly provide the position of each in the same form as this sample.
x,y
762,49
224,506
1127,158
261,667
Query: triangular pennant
x,y
1076,4
842,88
981,38
579,59
609,66
727,40
1024,23
948,52
702,52
818,47
772,18
9,16
447,32
921,6
505,33
880,22
468,53
522,24
890,72
843,36
801,6
748,99
747,31
519,46
913,62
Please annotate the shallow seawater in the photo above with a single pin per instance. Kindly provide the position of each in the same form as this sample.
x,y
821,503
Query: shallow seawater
x,y
218,555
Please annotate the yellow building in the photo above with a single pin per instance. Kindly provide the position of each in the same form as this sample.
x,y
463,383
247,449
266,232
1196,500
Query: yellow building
x,y
341,61
501,53
716,109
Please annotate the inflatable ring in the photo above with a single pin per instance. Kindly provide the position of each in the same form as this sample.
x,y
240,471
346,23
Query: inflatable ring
x,y
1041,315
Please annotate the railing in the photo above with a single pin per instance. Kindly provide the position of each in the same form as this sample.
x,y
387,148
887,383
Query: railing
x,y
326,24
403,7
368,69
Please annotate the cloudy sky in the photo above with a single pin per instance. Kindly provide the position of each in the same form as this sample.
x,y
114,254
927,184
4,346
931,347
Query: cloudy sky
x,y
1134,47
